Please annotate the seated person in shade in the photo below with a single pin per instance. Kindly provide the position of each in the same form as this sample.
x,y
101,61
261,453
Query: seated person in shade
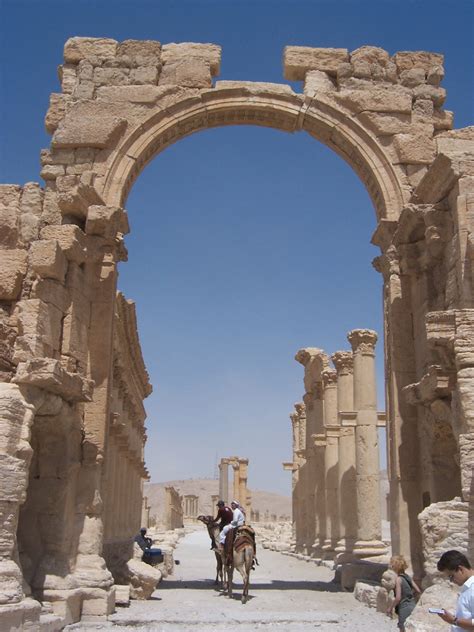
x,y
150,555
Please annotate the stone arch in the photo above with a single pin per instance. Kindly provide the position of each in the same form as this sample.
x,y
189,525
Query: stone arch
x,y
273,106
122,103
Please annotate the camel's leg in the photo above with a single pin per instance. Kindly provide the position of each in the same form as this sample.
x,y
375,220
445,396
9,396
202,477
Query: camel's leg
x,y
247,567
230,574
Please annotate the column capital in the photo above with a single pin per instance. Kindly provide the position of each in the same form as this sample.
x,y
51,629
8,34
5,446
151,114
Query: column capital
x,y
363,341
344,362
329,378
300,409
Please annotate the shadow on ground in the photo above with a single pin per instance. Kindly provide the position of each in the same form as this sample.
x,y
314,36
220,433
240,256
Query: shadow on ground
x,y
317,586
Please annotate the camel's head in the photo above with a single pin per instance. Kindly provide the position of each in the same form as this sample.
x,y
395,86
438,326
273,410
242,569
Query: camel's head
x,y
206,519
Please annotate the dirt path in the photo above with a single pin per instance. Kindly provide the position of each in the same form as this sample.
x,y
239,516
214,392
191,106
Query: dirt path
x,y
285,593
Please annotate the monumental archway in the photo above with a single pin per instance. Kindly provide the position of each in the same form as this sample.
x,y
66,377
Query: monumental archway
x,y
74,379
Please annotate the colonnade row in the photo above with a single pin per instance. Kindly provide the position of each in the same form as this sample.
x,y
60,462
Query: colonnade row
x,y
335,466
125,470
240,491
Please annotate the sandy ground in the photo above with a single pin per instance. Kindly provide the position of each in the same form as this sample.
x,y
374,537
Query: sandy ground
x,y
285,594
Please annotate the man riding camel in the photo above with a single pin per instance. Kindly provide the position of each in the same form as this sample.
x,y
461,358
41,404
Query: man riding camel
x,y
238,519
224,515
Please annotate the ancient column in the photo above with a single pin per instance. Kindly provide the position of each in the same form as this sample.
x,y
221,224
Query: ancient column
x,y
312,473
369,528
344,363
331,456
224,480
235,485
243,492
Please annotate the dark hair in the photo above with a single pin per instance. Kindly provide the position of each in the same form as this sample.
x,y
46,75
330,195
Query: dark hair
x,y
450,561
220,503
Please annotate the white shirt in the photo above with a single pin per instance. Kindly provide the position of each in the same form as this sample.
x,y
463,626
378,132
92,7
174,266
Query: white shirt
x,y
465,607
238,518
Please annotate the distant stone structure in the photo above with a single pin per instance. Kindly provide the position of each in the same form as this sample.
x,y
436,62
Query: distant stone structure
x,y
174,514
190,506
240,490
121,103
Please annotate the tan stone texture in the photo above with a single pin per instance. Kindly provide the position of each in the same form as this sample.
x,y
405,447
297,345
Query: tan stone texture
x,y
78,48
13,265
297,60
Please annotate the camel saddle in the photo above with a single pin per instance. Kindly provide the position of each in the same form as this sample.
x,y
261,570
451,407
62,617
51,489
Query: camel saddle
x,y
236,538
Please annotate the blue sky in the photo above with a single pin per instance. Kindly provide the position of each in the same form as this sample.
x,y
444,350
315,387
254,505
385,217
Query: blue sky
x,y
246,243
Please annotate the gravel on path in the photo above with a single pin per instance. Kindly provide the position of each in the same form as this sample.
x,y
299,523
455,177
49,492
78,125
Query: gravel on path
x,y
285,594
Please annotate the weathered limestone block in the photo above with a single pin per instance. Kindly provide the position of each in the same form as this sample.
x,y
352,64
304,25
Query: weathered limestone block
x,y
191,73
140,48
383,124
443,526
77,48
428,92
67,74
58,105
443,173
133,94
297,60
122,595
111,76
75,197
31,207
406,60
145,75
13,266
9,215
25,616
143,579
51,291
47,259
247,88
414,149
106,221
39,329
377,98
367,593
318,81
76,330
371,55
211,53
441,595
88,124
70,238
48,374
412,77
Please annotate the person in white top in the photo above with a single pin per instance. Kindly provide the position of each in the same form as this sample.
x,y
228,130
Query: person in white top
x,y
456,567
238,519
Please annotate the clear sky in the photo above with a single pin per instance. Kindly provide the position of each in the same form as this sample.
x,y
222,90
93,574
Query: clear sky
x,y
247,243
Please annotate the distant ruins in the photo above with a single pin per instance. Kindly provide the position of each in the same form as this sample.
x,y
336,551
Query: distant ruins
x,y
239,491
71,416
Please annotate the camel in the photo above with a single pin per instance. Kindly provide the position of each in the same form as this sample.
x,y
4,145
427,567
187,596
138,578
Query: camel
x,y
242,557
213,530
